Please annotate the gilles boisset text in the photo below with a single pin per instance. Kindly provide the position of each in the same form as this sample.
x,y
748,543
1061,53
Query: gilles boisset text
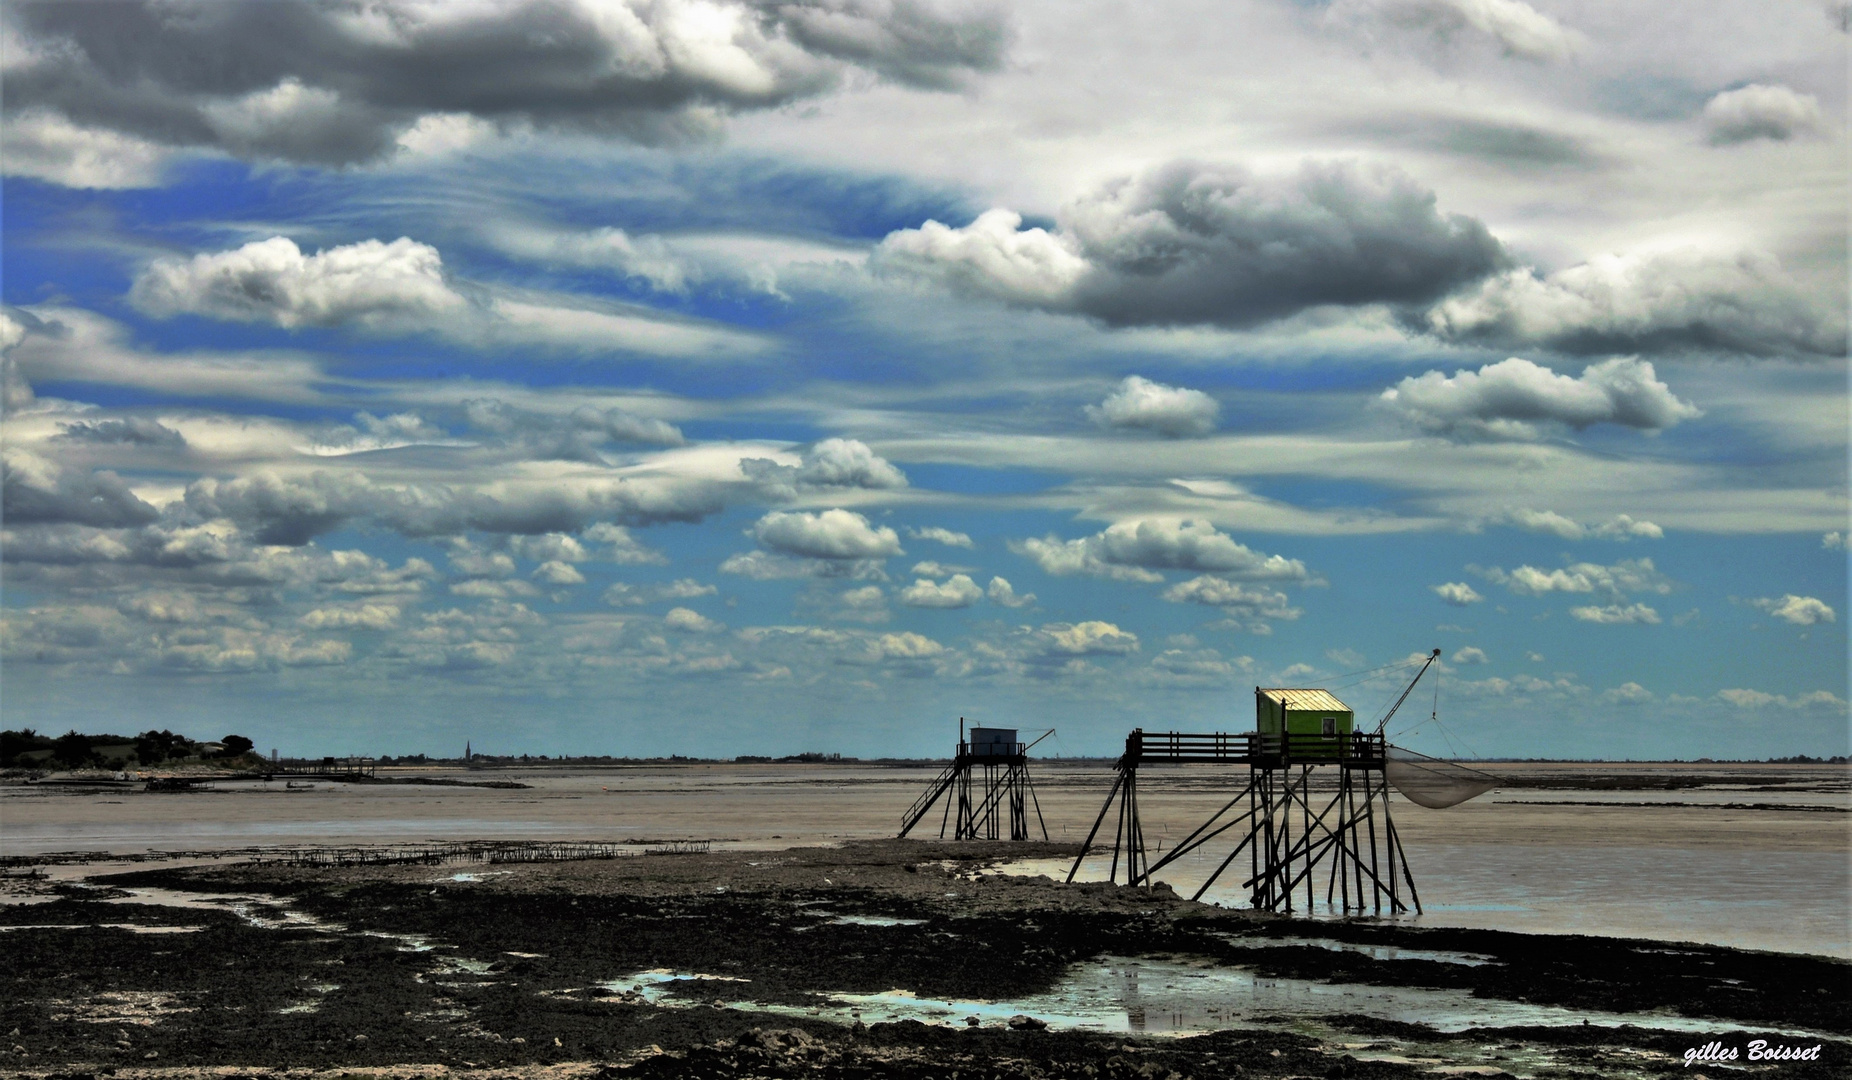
x,y
1759,1050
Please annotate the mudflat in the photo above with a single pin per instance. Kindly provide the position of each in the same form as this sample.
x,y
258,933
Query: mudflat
x,y
801,943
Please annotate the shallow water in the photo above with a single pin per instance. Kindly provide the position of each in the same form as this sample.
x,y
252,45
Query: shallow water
x,y
1675,865
1778,901
1147,996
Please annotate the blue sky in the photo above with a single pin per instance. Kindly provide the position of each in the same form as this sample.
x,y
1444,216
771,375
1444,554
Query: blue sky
x,y
716,379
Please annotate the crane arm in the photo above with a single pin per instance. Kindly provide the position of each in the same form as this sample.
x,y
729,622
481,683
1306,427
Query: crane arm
x,y
1409,690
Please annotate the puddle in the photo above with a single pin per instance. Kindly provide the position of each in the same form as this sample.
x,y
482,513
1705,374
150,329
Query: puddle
x,y
872,920
1117,994
133,928
475,876
653,985
406,942
1374,952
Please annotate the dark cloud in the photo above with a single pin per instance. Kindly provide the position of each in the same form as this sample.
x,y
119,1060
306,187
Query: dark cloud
x,y
136,430
336,83
1192,244
292,511
37,491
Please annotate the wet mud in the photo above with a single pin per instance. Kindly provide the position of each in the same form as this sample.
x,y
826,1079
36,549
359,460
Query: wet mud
x,y
531,971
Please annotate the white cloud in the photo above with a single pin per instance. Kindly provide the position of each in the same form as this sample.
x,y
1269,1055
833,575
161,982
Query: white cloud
x,y
1759,699
46,146
908,646
1616,614
1627,693
362,617
992,256
1471,654
1457,593
1089,638
622,594
691,622
557,572
1153,406
1833,541
1675,302
1133,550
368,283
1511,398
1001,592
931,568
1614,582
1233,597
1515,27
832,534
1799,610
845,463
1760,111
957,592
941,536
1618,527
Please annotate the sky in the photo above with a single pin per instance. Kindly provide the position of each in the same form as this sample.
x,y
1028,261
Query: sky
x,y
716,378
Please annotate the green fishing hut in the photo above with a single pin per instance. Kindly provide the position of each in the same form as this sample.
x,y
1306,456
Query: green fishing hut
x,y
1306,724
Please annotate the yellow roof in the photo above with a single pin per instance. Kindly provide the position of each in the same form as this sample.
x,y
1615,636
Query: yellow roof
x,y
1306,700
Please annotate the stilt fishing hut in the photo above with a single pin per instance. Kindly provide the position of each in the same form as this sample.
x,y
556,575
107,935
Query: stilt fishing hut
x,y
988,785
1287,836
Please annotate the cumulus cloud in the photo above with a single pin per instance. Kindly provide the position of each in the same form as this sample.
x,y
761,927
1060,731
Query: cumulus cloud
x,y
1088,638
331,85
845,463
1833,541
292,509
623,594
1616,614
1627,693
1234,598
1799,610
1759,111
37,490
831,534
1610,582
1192,243
1618,527
1515,27
1512,398
1134,550
1153,406
958,591
577,436
1000,591
45,146
1666,302
1761,699
1457,593
368,283
908,645
941,536
1471,654
691,622
358,617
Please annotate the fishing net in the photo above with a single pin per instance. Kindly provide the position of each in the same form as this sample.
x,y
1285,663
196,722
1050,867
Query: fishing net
x,y
1434,782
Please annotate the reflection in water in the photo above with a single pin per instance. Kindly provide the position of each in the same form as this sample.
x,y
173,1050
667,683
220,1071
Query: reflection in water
x,y
1117,994
1780,901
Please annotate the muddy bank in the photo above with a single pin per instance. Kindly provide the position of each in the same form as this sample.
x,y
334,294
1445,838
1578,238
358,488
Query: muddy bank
x,y
537,967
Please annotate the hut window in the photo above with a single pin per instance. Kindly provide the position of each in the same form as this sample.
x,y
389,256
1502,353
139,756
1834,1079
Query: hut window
x,y
1331,725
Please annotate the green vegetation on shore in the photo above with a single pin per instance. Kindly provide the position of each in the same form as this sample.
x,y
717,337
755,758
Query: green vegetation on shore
x,y
28,749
